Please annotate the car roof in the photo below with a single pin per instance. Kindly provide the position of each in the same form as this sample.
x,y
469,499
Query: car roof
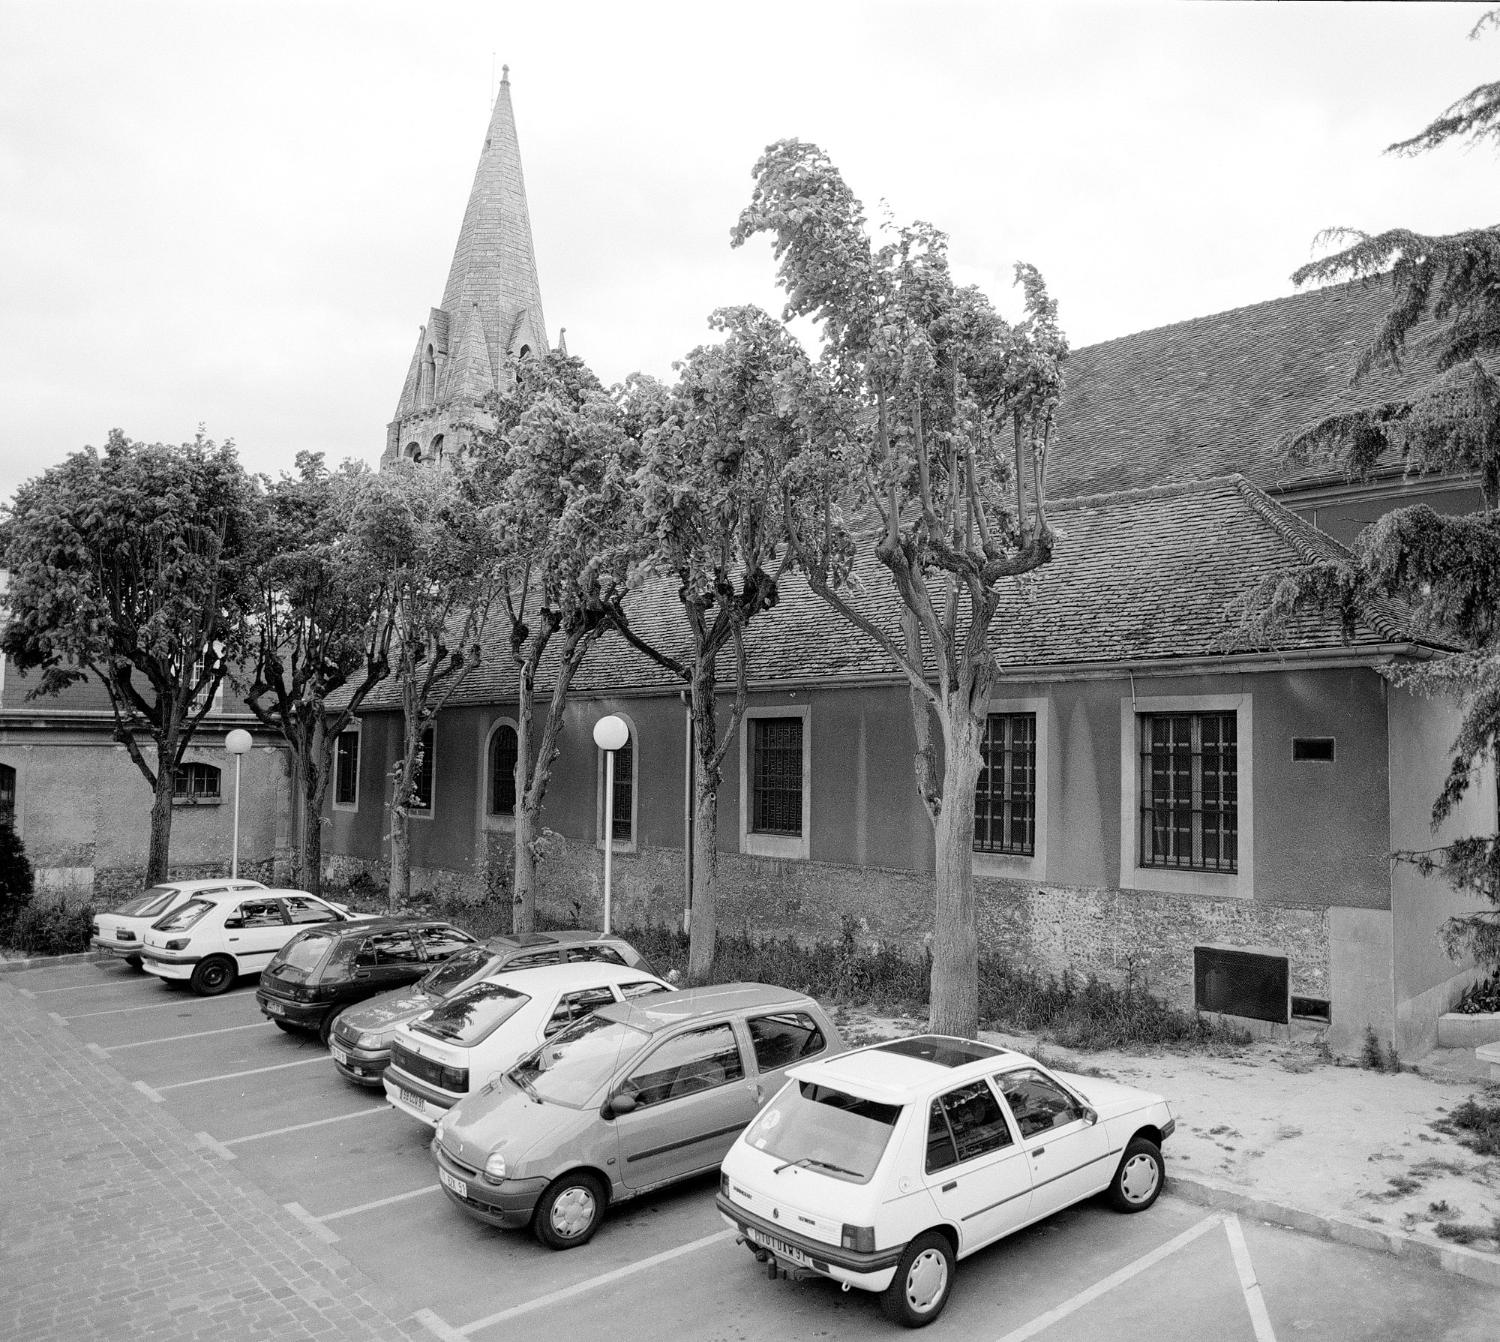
x,y
534,941
663,1011
206,883
375,923
901,1070
575,974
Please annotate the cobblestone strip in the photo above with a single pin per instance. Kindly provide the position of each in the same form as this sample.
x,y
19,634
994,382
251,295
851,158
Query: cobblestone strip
x,y
116,1223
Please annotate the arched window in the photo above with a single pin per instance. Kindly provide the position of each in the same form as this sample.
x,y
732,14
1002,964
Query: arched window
x,y
435,452
429,378
623,817
413,452
194,783
502,771
7,795
525,352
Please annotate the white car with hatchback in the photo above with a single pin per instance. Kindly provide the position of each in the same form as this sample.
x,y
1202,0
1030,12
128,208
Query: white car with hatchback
x,y
121,930
882,1167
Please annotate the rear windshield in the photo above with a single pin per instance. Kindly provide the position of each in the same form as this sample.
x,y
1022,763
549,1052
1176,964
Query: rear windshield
x,y
468,1017
149,903
182,919
825,1130
448,977
571,1066
300,956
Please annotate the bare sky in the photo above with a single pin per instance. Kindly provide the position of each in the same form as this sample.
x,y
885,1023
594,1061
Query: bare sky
x,y
238,214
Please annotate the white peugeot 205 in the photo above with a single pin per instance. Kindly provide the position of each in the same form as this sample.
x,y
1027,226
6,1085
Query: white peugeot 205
x,y
881,1167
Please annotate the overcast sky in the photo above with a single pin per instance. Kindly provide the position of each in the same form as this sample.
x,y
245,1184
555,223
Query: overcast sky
x,y
238,214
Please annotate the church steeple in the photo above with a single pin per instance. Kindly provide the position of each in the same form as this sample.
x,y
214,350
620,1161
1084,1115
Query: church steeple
x,y
492,304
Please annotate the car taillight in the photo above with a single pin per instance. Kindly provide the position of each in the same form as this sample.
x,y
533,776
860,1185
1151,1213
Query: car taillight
x,y
859,1238
178,944
723,1184
455,1079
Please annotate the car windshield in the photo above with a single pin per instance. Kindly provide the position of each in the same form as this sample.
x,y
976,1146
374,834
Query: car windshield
x,y
571,1066
182,919
300,956
447,978
826,1130
149,903
472,1014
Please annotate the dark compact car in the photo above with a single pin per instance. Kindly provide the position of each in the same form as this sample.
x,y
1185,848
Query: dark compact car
x,y
321,971
361,1038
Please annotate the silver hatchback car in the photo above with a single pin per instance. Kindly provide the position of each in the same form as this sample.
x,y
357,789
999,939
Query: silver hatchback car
x,y
636,1096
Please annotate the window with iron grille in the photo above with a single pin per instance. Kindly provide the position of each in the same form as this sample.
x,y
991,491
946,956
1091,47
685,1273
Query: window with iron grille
x,y
503,748
623,830
1189,791
346,769
1005,800
7,795
776,775
421,783
195,782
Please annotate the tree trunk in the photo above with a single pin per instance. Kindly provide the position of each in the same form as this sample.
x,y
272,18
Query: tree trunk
x,y
704,929
523,869
955,940
160,843
310,849
398,889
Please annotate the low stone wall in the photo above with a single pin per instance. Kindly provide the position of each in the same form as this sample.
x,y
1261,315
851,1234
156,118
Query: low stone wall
x,y
1460,1029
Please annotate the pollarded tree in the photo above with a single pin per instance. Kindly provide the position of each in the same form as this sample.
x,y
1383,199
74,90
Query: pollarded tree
x,y
129,567
315,629
708,510
552,468
927,455
1445,567
422,533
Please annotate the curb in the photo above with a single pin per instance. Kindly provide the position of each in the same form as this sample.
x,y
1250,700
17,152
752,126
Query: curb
x,y
42,961
1455,1258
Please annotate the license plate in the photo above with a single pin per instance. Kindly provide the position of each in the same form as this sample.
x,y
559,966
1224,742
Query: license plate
x,y
779,1247
448,1181
124,936
412,1098
339,1055
275,1008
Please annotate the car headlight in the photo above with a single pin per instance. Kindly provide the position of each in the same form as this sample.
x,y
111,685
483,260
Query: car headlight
x,y
494,1168
373,1039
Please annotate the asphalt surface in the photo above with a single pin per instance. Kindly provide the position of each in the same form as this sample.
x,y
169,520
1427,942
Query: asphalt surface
x,y
175,1167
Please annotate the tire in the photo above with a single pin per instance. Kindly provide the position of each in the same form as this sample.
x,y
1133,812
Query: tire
x,y
325,1026
570,1211
213,976
923,1281
282,1025
1140,1177
134,961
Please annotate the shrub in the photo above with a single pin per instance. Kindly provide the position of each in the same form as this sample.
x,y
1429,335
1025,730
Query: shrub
x,y
1480,997
1475,1125
16,879
52,929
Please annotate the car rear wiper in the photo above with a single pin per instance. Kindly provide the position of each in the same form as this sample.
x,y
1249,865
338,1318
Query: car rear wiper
x,y
807,1161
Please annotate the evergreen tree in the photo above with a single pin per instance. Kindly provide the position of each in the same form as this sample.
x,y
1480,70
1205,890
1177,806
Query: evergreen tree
x,y
16,879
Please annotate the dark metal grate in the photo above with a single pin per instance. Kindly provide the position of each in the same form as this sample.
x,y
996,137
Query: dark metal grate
x,y
776,782
1189,791
1242,983
1005,800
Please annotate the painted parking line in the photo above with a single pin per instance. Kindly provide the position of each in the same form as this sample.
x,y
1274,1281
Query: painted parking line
x,y
1042,1322
314,1123
1254,1301
178,1002
80,987
440,1328
381,1202
173,1038
234,1076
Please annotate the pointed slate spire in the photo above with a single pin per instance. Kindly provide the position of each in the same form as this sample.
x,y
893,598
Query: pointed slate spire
x,y
492,303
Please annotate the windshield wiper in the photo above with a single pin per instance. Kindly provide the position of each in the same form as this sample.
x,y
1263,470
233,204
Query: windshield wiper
x,y
515,1075
807,1161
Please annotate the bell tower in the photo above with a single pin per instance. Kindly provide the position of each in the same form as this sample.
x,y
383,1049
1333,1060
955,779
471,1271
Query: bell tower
x,y
491,311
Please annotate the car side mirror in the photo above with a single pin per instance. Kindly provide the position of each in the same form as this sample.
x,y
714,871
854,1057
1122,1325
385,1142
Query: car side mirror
x,y
623,1103
1090,1116
234,922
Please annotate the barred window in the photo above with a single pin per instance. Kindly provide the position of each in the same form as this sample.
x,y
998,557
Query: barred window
x,y
346,769
503,749
1189,791
7,795
776,775
1005,800
624,803
421,782
195,782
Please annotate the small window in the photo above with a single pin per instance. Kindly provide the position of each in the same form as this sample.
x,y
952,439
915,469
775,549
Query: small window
x,y
503,750
622,820
576,1005
686,1064
194,783
421,782
645,988
261,913
7,795
438,943
346,769
1189,765
783,1039
1038,1103
593,955
1005,799
394,948
1318,748
963,1124
776,776
300,909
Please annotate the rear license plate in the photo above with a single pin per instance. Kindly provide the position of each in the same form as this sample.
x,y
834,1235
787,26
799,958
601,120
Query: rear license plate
x,y
275,1008
457,1185
339,1055
779,1247
412,1098
124,936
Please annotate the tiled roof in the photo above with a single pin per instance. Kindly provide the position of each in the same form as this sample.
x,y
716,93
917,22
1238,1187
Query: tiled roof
x,y
1139,576
1220,394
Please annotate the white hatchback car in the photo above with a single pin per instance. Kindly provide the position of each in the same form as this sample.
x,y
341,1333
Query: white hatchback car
x,y
880,1168
215,938
474,1036
121,930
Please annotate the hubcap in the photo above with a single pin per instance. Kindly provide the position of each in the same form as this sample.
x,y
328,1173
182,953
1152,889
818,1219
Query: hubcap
x,y
1138,1179
926,1280
573,1212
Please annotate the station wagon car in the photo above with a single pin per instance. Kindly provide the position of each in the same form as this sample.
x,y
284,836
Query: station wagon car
x,y
326,968
361,1038
212,940
884,1166
473,1036
121,930
634,1097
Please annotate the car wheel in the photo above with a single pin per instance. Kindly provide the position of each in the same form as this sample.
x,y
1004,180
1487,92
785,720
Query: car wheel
x,y
134,961
1139,1178
325,1026
282,1025
570,1211
213,976
923,1281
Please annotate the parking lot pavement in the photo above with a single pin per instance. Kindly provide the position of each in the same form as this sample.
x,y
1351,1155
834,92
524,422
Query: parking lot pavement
x,y
174,1166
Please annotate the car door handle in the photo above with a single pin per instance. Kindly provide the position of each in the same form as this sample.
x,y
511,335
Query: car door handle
x,y
1038,1150
950,1186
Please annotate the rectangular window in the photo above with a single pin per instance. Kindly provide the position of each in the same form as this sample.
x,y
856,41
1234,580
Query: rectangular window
x,y
1189,789
195,782
1005,800
624,797
776,776
346,769
421,782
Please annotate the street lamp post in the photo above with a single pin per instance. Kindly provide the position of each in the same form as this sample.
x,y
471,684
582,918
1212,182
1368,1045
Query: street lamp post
x,y
610,734
237,743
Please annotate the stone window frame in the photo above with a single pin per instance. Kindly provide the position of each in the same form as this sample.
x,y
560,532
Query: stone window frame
x,y
353,729
1187,881
753,844
631,844
1016,865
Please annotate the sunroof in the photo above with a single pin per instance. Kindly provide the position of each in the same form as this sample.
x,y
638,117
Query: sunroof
x,y
942,1051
